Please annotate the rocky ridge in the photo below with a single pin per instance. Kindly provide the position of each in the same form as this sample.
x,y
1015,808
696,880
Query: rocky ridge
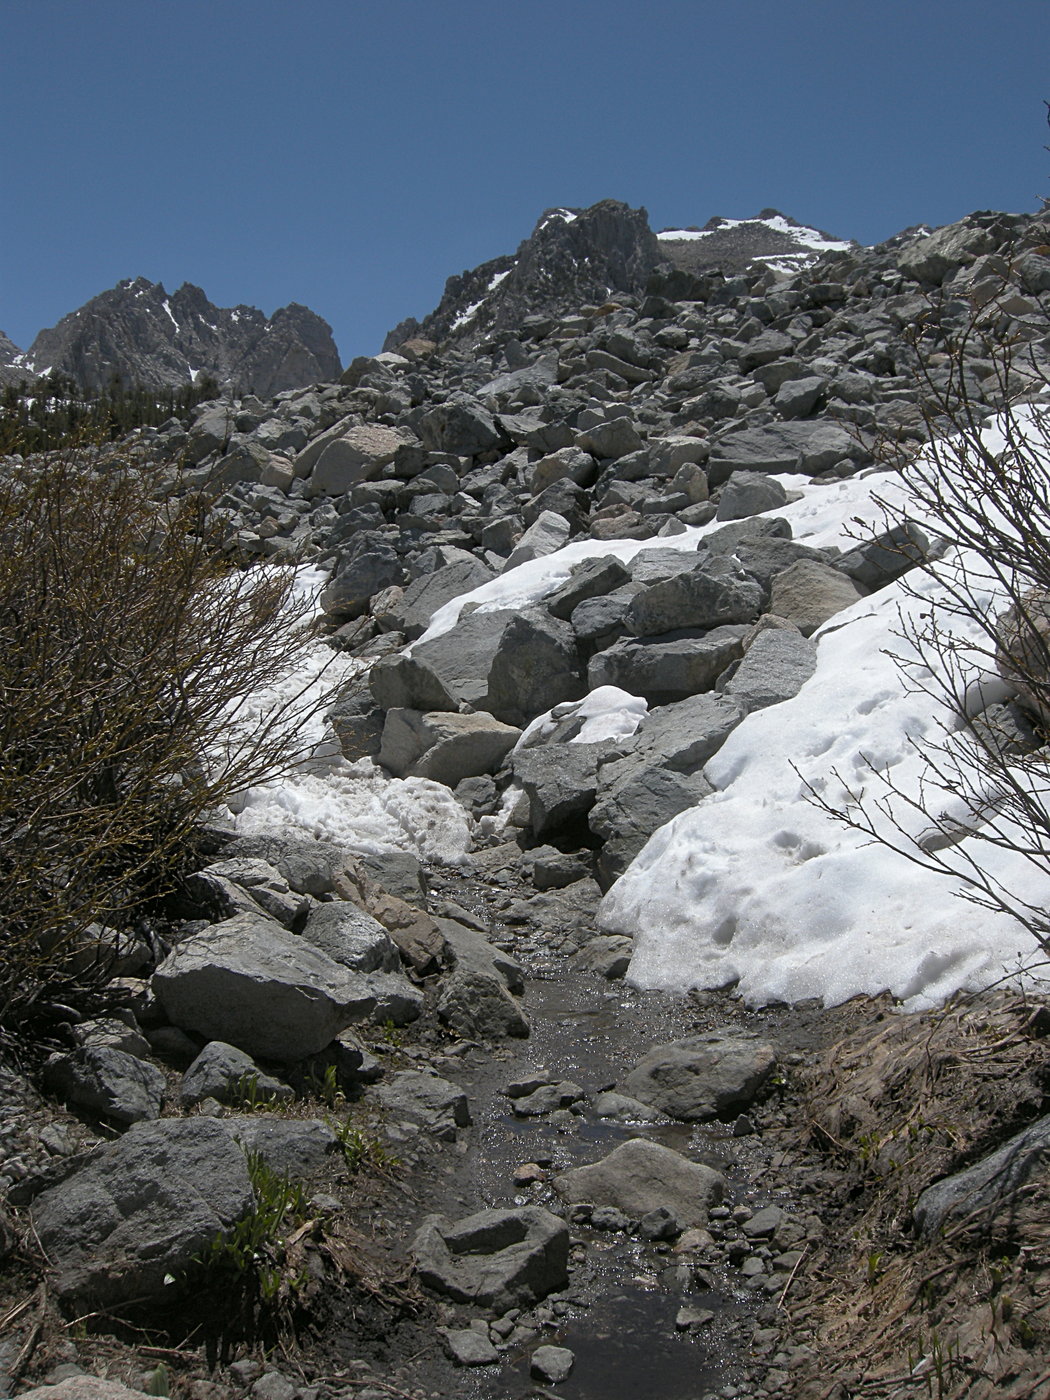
x,y
663,1143
138,331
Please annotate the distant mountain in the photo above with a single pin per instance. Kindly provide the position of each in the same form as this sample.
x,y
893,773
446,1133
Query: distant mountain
x,y
576,256
11,359
138,331
771,238
573,256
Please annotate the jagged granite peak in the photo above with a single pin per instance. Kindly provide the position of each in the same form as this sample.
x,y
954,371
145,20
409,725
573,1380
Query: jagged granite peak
x,y
770,239
572,256
138,331
11,361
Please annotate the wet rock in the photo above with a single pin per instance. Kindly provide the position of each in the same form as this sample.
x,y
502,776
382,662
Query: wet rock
x,y
551,1364
142,1208
468,1347
547,1098
496,1258
640,1176
624,1109
608,954
702,1076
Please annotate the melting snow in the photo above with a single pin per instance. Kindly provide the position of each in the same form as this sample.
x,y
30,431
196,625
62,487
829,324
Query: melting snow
x,y
167,307
808,237
465,316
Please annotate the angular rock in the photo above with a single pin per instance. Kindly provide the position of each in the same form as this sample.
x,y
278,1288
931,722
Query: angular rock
x,y
141,1209
546,535
995,1191
251,983
434,1103
551,1364
640,1176
560,781
710,594
612,439
477,998
107,1081
425,595
591,579
470,1348
358,455
498,1259
444,747
775,667
808,593
289,1146
351,937
810,447
535,666
227,1074
666,669
749,493
702,1076
890,554
459,425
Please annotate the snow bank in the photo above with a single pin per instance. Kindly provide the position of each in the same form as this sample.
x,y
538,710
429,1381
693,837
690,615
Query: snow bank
x,y
326,797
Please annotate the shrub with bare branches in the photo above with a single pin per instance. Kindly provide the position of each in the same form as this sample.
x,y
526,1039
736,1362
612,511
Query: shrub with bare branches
x,y
978,641
129,651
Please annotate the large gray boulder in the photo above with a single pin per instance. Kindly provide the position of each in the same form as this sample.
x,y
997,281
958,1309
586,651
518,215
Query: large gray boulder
x,y
808,593
250,982
547,533
358,455
424,595
349,936
627,813
498,1259
142,1209
227,1074
478,997
710,594
536,666
670,668
640,1176
775,667
107,1081
703,1076
444,747
288,1146
810,447
749,493
427,1100
460,425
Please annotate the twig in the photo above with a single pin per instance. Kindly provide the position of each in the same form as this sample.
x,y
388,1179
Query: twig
x,y
13,1314
791,1275
35,1333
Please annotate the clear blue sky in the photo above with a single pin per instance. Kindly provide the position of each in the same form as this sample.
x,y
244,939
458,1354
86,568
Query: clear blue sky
x,y
352,155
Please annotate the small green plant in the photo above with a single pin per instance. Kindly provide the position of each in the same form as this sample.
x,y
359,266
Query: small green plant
x,y
392,1035
326,1088
253,1252
160,1382
360,1151
246,1093
875,1268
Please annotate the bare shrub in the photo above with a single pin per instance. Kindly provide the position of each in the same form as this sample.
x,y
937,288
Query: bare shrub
x,y
979,644
129,650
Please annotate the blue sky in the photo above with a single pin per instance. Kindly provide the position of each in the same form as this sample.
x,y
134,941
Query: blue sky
x,y
351,155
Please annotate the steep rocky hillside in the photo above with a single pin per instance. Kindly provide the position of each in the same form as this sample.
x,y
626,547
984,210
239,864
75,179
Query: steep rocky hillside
x,y
139,332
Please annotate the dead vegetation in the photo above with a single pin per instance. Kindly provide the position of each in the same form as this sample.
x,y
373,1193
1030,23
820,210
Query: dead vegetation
x,y
896,1106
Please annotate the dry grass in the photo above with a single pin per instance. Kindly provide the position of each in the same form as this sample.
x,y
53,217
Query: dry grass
x,y
894,1108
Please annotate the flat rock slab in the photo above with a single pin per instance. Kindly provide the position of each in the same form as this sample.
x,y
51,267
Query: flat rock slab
x,y
142,1208
702,1076
82,1388
640,1176
497,1258
251,983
